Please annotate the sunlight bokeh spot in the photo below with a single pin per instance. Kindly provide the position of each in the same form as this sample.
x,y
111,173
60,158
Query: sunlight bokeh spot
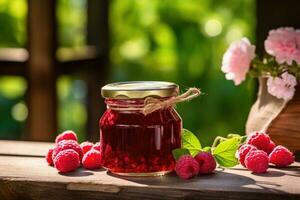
x,y
134,49
19,112
234,33
213,27
12,87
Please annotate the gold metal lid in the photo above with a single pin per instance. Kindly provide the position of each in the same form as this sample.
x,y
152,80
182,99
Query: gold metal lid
x,y
139,90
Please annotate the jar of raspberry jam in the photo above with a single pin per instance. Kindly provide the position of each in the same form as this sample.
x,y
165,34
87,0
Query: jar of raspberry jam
x,y
134,143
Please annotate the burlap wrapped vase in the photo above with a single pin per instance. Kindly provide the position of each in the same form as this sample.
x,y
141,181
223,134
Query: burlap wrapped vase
x,y
279,118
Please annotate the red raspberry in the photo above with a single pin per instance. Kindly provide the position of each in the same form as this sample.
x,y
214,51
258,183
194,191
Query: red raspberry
x,y
206,161
66,161
187,167
243,150
86,146
281,156
270,147
49,157
259,140
92,159
257,161
97,146
67,144
66,135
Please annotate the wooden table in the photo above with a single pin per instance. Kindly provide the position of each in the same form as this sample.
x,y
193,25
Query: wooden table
x,y
24,174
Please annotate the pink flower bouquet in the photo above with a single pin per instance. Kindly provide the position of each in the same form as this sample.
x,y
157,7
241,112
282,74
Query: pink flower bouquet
x,y
280,65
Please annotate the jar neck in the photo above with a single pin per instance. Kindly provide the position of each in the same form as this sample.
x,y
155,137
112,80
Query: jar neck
x,y
124,103
128,104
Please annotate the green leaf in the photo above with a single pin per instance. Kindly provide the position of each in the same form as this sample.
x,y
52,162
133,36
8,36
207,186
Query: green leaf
x,y
232,135
206,149
177,153
226,162
224,153
190,142
243,139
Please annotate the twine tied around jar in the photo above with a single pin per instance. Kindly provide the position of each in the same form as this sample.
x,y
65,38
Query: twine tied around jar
x,y
152,104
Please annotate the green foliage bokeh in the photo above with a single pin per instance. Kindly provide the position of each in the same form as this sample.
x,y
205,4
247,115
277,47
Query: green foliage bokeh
x,y
183,42
171,40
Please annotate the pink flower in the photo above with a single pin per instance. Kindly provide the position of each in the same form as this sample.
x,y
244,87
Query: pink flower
x,y
282,87
284,44
236,60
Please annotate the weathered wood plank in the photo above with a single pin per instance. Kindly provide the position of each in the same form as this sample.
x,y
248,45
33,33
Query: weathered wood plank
x,y
26,177
32,178
24,148
41,190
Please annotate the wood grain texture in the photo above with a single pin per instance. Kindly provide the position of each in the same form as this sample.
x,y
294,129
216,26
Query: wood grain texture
x,y
285,128
31,178
24,148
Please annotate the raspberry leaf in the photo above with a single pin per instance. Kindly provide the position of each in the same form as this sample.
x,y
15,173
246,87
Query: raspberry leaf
x,y
190,142
224,153
232,135
207,149
243,139
177,153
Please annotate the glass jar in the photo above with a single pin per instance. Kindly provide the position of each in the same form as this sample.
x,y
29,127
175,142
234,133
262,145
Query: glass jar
x,y
135,144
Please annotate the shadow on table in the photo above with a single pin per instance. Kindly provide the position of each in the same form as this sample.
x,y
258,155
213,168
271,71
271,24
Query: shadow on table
x,y
271,173
219,181
274,171
81,172
290,170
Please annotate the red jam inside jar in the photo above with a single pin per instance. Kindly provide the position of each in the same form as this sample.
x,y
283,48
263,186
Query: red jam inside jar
x,y
136,144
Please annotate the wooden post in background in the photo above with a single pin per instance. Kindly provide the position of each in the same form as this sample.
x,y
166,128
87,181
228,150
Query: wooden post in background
x,y
97,36
41,73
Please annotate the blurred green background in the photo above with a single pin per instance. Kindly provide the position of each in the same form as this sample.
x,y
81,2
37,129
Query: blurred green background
x,y
171,40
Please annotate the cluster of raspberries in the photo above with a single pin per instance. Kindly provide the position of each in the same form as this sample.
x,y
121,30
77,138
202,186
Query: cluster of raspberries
x,y
67,155
260,150
188,166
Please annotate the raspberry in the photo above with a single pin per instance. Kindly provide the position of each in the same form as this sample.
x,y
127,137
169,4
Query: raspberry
x,y
67,144
49,156
242,152
97,146
259,140
206,161
66,135
281,156
270,147
187,167
257,161
92,159
86,146
66,161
